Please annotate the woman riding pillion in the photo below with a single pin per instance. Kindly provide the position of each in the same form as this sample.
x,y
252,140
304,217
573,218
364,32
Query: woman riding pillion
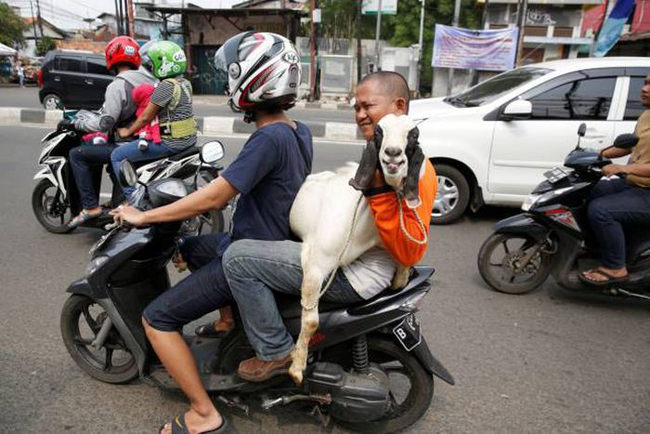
x,y
171,102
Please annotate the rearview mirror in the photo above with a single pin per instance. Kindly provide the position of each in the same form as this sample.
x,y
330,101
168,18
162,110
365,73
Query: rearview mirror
x,y
582,129
626,141
127,176
212,152
518,109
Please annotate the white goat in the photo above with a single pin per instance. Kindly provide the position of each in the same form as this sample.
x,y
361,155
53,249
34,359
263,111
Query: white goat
x,y
336,224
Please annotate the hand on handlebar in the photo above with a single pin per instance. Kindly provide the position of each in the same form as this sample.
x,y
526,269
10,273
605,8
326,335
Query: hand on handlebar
x,y
128,214
614,169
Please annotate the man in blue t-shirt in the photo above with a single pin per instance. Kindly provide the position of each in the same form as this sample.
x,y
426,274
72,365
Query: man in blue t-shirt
x,y
267,173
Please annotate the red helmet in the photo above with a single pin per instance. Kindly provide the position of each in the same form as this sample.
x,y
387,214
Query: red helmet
x,y
122,49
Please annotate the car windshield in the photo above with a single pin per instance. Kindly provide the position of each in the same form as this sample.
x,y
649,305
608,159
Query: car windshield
x,y
493,88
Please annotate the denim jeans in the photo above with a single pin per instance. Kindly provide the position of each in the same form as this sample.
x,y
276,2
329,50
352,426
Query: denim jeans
x,y
86,161
254,269
130,151
615,203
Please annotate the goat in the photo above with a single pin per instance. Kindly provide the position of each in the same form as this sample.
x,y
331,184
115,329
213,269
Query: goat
x,y
327,199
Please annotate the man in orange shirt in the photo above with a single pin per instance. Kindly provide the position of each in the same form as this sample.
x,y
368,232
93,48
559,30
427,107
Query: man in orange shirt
x,y
254,269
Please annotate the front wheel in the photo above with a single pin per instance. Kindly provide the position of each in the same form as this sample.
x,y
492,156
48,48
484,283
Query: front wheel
x,y
411,388
50,208
452,196
500,263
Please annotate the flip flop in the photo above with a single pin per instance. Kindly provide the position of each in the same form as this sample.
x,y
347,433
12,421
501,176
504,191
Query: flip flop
x,y
82,218
610,279
179,426
208,331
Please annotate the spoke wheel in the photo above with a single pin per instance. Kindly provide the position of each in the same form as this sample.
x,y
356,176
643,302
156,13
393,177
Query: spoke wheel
x,y
501,266
411,388
452,196
50,209
81,320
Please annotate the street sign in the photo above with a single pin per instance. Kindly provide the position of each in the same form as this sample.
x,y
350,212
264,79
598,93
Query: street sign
x,y
370,7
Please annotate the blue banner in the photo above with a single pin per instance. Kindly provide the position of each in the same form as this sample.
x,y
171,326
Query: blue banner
x,y
613,27
488,50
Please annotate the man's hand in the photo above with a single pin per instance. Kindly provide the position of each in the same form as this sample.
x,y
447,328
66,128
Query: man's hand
x,y
614,169
123,133
65,124
128,214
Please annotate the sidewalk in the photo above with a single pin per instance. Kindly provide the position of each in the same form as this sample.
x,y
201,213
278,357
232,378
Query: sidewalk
x,y
325,104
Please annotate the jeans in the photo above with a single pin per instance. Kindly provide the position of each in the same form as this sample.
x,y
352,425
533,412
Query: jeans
x,y
86,161
615,203
130,151
254,269
202,292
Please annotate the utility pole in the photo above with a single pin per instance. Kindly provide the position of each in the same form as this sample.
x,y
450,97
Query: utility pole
x,y
118,18
450,75
421,48
38,14
129,14
312,69
359,3
31,6
377,32
522,7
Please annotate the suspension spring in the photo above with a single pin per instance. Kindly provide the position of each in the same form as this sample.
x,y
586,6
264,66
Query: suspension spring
x,y
360,355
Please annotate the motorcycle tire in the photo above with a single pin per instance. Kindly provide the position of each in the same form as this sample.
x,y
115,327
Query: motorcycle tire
x,y
40,204
416,403
508,284
77,309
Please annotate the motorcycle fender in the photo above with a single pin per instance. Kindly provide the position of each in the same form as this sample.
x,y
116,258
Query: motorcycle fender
x,y
522,224
430,363
46,173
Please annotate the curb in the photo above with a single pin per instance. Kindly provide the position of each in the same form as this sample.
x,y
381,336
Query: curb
x,y
209,125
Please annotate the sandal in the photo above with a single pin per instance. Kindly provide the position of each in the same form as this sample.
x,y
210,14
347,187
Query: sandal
x,y
179,426
81,218
208,331
610,279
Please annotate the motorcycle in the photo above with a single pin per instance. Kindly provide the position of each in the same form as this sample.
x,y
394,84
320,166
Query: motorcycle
x,y
359,360
553,235
55,199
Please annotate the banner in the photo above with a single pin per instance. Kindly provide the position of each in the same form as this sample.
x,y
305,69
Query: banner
x,y
487,50
370,7
613,27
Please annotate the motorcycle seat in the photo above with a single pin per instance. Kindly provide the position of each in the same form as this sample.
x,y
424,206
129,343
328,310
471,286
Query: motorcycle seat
x,y
185,153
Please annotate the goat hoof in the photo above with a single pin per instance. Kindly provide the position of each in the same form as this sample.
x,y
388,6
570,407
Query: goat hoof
x,y
296,374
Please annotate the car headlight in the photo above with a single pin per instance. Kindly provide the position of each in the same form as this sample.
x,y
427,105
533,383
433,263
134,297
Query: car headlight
x,y
95,264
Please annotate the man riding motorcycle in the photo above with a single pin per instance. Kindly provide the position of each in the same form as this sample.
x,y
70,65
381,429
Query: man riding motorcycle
x,y
618,202
123,59
267,173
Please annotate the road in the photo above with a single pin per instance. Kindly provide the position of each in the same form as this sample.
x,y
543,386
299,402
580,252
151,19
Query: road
x,y
545,362
28,98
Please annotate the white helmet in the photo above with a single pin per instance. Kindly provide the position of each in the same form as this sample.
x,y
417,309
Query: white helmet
x,y
263,71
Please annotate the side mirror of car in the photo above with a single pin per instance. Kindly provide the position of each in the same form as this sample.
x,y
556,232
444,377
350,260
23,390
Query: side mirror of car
x,y
127,176
626,141
582,129
212,152
518,109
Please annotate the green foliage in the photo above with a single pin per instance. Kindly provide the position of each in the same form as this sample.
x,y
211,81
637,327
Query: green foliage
x,y
12,26
44,45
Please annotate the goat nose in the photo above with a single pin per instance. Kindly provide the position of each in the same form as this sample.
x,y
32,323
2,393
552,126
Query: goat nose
x,y
393,152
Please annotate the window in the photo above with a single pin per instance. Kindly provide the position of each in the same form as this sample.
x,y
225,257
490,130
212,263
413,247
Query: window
x,y
97,66
73,64
578,100
634,108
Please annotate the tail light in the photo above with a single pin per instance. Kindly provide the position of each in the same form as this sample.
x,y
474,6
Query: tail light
x,y
39,77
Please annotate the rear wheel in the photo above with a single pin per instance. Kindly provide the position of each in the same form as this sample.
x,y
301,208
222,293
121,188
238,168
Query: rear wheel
x,y
50,208
452,196
411,388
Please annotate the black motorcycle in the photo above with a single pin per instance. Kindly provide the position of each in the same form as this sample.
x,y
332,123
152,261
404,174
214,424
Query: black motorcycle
x,y
369,367
553,234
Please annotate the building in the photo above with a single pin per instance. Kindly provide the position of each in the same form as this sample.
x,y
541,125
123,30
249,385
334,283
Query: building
x,y
32,33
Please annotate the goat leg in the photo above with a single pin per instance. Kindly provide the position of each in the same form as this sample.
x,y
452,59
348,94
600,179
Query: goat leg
x,y
310,292
400,278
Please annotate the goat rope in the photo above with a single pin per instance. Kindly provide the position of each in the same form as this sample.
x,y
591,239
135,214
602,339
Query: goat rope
x,y
425,238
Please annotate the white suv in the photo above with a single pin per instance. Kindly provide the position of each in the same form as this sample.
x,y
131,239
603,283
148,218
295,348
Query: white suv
x,y
492,143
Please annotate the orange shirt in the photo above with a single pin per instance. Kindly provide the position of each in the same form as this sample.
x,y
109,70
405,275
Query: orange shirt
x,y
385,208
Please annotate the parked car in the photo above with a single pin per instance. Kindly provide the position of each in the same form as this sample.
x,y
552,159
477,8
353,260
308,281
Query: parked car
x,y
76,79
492,143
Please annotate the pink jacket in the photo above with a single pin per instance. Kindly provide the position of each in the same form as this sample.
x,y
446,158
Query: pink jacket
x,y
141,96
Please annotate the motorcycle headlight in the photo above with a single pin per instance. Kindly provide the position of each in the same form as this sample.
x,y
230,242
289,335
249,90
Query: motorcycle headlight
x,y
95,264
538,199
530,200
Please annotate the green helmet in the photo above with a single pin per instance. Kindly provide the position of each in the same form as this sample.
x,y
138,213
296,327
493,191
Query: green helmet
x,y
167,59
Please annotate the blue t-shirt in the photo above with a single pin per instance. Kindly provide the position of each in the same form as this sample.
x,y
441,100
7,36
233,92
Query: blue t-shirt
x,y
268,172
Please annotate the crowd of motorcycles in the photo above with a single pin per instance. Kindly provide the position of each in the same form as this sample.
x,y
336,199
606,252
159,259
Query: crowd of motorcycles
x,y
370,368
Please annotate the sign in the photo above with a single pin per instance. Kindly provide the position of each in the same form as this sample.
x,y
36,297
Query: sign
x,y
370,7
487,50
316,16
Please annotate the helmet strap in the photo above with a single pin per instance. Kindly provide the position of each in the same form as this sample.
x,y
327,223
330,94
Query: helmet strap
x,y
249,116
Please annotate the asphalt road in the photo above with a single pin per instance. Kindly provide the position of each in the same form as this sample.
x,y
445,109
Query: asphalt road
x,y
28,98
545,362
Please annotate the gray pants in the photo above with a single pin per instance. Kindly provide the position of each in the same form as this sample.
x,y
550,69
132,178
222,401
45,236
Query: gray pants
x,y
254,269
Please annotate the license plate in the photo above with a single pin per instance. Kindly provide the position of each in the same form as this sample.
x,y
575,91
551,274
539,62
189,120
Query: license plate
x,y
408,332
555,175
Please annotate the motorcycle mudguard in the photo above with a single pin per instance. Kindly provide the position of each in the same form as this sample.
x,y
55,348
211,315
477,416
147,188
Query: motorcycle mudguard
x,y
522,224
430,363
46,173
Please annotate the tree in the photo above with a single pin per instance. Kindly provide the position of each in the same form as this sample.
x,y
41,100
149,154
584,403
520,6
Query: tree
x,y
12,26
44,45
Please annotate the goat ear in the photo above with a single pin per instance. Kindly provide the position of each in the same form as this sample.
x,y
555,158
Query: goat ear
x,y
415,159
368,163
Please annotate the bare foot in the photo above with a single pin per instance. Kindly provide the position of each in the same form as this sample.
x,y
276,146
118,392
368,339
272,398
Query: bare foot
x,y
196,423
600,274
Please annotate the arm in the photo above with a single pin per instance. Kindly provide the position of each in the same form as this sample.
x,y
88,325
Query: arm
x,y
613,152
637,169
114,100
213,196
147,116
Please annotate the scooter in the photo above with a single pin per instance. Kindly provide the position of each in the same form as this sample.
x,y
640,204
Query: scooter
x,y
369,368
55,199
553,235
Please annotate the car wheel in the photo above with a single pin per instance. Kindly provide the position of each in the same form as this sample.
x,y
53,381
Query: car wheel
x,y
452,196
51,102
